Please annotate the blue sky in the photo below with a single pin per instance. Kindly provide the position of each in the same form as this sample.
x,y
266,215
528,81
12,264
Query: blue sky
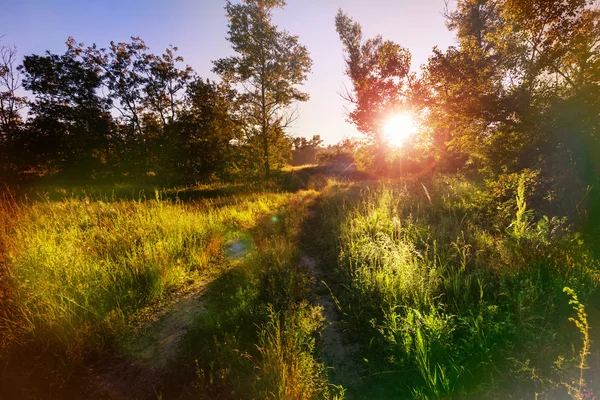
x,y
199,29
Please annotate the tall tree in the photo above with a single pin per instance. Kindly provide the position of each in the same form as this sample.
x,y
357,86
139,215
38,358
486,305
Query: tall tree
x,y
71,124
380,74
207,127
500,99
269,65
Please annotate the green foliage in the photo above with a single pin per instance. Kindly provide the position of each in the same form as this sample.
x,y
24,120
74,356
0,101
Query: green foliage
x,y
206,129
120,112
581,322
445,299
520,225
516,91
342,153
71,124
270,64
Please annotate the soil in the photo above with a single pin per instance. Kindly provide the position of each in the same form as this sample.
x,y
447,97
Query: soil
x,y
337,354
149,355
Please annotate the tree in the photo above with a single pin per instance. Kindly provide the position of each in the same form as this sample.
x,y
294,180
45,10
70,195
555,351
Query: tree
x,y
304,151
268,66
206,129
10,105
380,74
71,124
498,100
521,90
147,92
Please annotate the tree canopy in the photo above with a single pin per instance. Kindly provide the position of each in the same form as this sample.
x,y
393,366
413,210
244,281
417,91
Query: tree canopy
x,y
269,65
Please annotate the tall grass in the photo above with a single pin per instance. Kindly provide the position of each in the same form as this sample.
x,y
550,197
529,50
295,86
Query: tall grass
x,y
448,300
79,268
261,321
578,390
286,343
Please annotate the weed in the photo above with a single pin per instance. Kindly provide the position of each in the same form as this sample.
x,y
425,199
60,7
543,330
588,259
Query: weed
x,y
578,390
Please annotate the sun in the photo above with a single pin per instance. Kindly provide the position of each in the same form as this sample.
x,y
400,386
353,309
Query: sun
x,y
398,128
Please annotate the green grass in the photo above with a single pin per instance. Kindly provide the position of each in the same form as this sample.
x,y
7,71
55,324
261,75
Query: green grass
x,y
261,321
83,270
449,288
444,299
79,268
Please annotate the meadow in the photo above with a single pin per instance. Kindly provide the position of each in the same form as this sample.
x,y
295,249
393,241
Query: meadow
x,y
457,290
168,236
443,288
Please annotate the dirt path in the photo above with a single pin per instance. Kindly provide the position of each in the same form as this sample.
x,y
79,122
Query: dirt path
x,y
149,353
338,354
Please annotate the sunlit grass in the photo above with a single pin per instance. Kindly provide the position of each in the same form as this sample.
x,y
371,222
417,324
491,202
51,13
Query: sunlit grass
x,y
445,299
78,268
261,324
447,289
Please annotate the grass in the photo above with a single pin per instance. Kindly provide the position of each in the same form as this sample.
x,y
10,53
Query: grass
x,y
448,301
262,322
83,271
449,288
578,390
79,268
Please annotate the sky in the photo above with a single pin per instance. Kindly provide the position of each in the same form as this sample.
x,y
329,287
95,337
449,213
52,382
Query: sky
x,y
199,29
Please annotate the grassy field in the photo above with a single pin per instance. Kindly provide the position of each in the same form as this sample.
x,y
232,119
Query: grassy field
x,y
444,289
452,291
79,268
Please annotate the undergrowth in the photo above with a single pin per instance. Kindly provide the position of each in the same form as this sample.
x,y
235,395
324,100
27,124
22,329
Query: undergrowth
x,y
452,290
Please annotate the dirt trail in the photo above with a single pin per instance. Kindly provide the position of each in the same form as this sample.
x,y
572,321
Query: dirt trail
x,y
338,354
150,352
157,345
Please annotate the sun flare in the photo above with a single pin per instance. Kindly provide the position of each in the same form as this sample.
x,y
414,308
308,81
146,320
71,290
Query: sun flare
x,y
399,128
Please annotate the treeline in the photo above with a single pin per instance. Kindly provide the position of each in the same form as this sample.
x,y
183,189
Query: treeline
x,y
520,90
120,111
126,112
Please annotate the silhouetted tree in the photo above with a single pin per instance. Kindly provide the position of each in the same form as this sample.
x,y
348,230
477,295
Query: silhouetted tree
x,y
70,126
206,131
304,151
380,73
147,92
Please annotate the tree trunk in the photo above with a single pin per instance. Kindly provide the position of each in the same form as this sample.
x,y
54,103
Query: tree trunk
x,y
265,130
266,155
